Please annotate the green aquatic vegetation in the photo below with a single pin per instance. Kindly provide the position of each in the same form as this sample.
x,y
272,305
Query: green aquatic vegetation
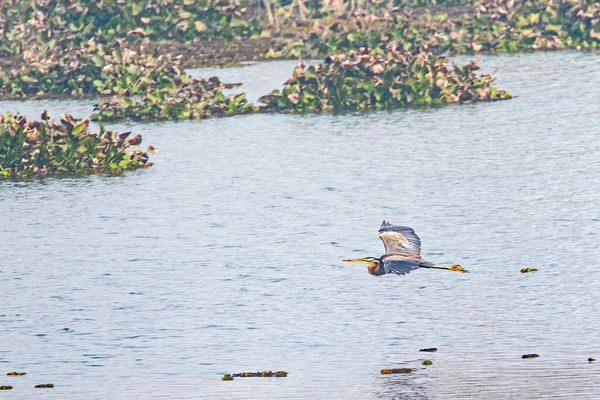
x,y
429,3
263,374
131,83
510,26
196,99
72,22
381,79
427,362
30,148
5,387
491,26
90,69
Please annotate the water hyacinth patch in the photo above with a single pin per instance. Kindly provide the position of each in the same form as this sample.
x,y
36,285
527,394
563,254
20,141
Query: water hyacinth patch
x,y
131,82
196,99
381,79
30,148
490,26
71,22
510,26
91,69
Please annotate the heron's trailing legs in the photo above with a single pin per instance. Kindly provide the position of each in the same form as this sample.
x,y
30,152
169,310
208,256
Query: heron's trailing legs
x,y
454,267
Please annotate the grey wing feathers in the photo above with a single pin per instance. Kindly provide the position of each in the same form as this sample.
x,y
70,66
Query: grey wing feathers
x,y
399,239
400,265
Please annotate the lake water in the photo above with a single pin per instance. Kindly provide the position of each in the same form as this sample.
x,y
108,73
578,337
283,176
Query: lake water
x,y
225,256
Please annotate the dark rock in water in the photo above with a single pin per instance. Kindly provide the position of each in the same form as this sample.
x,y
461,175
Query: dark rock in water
x,y
45,385
5,387
430,349
396,371
530,355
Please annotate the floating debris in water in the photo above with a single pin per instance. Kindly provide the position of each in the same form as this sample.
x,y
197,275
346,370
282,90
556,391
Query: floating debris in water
x,y
261,374
525,270
396,371
45,385
264,374
5,387
429,349
591,359
427,362
530,355
16,373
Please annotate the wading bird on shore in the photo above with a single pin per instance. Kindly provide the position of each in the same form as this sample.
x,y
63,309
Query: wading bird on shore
x,y
402,253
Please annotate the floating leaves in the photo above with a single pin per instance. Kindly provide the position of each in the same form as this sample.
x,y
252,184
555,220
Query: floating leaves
x,y
396,371
263,374
526,270
17,373
45,385
268,374
30,148
383,78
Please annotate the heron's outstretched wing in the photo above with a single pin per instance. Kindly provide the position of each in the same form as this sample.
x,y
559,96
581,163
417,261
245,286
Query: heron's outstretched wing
x,y
400,265
399,239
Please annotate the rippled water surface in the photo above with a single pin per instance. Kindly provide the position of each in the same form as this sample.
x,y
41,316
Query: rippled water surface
x,y
225,255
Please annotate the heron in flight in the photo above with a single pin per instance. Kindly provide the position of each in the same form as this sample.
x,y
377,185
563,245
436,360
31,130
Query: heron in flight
x,y
402,253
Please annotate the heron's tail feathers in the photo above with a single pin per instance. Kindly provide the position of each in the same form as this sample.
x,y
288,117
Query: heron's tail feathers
x,y
454,267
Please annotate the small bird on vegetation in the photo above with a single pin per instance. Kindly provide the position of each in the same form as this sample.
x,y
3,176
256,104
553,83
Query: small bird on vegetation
x,y
402,253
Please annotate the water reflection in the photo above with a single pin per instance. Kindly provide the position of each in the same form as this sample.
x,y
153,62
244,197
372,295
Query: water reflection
x,y
403,387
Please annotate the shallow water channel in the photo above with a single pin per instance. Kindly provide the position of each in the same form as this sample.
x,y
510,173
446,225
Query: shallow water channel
x,y
225,255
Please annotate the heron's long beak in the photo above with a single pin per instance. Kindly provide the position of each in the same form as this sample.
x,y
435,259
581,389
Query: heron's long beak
x,y
360,260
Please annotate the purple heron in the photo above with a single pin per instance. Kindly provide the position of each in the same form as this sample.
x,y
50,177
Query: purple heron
x,y
402,253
